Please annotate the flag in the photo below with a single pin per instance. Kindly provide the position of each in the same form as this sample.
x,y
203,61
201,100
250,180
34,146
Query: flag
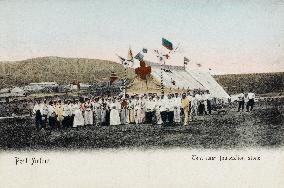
x,y
167,44
121,58
186,60
145,50
130,56
139,56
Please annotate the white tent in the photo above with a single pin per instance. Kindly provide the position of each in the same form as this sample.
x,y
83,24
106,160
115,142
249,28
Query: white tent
x,y
186,78
206,79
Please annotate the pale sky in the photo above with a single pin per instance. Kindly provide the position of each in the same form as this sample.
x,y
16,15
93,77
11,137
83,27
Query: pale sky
x,y
237,36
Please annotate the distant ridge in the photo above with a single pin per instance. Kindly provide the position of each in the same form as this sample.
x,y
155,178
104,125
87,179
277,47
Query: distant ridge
x,y
260,83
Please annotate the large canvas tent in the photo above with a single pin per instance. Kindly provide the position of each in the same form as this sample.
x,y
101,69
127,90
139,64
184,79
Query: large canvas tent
x,y
184,78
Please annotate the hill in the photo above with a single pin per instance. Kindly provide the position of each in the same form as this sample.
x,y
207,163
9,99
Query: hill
x,y
58,69
259,82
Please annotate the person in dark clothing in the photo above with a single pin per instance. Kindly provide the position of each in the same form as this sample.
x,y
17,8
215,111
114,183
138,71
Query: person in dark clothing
x,y
38,115
51,115
38,120
201,108
209,106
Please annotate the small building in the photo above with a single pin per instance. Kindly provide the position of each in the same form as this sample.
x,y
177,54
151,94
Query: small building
x,y
45,84
84,86
10,94
17,92
42,87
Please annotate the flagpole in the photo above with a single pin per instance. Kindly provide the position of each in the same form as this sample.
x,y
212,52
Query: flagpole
x,y
162,85
125,74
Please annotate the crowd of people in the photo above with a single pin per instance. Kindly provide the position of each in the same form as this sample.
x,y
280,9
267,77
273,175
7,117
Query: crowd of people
x,y
170,109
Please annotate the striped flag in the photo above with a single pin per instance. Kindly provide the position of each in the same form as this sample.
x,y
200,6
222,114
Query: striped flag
x,y
167,44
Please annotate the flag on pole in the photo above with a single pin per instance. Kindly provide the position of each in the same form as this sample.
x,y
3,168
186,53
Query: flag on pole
x,y
130,56
121,58
139,56
167,44
145,50
186,60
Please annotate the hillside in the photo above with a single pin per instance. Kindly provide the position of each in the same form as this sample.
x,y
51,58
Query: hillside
x,y
259,82
58,69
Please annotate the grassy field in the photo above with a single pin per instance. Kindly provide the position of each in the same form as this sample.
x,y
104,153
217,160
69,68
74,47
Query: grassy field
x,y
264,127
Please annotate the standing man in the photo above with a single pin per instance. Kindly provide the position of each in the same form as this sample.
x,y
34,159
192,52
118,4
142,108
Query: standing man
x,y
59,109
150,106
88,115
97,106
44,113
241,100
185,102
124,111
51,115
38,115
177,106
67,115
250,103
164,110
171,105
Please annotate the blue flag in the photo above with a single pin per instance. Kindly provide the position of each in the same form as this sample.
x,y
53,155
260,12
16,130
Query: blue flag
x,y
139,56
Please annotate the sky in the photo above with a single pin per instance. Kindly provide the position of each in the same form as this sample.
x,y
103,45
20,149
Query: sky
x,y
240,36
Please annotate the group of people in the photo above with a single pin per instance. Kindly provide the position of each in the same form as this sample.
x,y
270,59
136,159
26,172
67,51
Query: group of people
x,y
248,98
174,108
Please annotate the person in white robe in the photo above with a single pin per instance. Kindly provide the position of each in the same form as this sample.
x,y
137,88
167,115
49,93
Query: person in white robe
x,y
88,115
124,111
78,116
97,106
158,110
140,110
131,115
177,108
114,113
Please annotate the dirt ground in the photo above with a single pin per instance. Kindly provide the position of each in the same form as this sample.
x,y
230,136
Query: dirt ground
x,y
263,127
